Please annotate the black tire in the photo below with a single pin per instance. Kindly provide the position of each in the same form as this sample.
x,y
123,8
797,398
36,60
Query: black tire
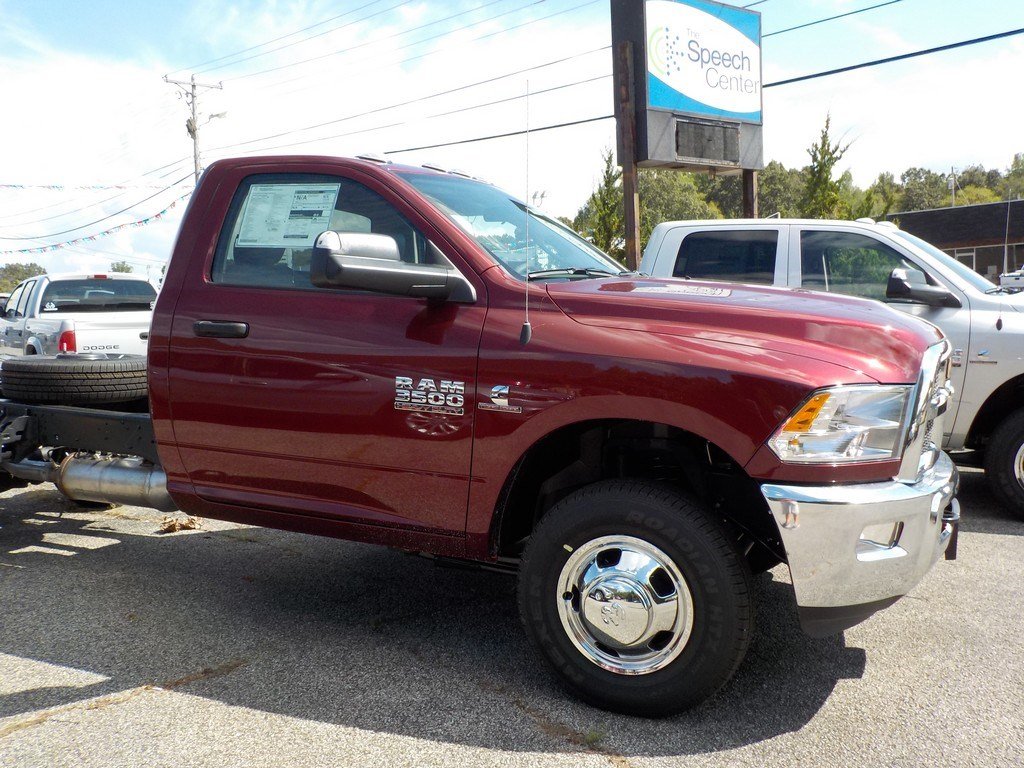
x,y
72,379
1001,462
714,572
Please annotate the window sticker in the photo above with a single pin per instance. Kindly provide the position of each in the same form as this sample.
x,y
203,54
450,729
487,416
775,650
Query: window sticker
x,y
286,215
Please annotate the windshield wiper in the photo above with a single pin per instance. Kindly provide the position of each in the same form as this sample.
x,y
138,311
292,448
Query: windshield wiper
x,y
574,272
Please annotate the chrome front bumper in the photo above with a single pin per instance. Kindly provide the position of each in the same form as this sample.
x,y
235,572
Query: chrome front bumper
x,y
854,549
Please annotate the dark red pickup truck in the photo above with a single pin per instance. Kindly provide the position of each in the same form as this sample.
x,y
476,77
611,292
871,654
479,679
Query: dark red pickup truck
x,y
342,347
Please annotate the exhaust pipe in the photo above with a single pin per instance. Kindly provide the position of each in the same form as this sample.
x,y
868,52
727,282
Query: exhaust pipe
x,y
113,481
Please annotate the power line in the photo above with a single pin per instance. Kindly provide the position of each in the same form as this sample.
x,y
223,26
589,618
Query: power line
x,y
831,18
414,101
876,62
394,35
177,162
901,57
311,37
89,238
49,206
92,250
73,210
104,218
501,135
91,187
62,214
751,5
430,117
504,30
195,67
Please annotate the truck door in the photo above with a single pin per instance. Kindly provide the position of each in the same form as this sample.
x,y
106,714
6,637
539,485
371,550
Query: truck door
x,y
332,403
857,264
12,335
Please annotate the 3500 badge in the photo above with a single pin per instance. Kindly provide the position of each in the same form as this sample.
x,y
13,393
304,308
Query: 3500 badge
x,y
428,396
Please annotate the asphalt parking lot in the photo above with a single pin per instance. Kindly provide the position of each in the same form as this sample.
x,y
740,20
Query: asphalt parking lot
x,y
242,646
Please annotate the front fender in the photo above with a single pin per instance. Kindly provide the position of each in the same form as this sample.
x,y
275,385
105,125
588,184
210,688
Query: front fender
x,y
501,444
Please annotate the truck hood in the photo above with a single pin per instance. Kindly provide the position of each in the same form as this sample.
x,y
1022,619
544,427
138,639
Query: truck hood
x,y
858,334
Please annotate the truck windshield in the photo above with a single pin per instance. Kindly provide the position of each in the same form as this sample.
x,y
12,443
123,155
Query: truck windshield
x,y
498,222
960,269
97,295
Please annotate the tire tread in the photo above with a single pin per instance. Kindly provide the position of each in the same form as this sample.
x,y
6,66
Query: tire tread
x,y
738,577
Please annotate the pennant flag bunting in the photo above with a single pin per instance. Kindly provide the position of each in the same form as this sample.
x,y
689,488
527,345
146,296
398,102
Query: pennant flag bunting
x,y
98,235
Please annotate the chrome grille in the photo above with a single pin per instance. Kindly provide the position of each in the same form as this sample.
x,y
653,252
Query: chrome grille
x,y
924,435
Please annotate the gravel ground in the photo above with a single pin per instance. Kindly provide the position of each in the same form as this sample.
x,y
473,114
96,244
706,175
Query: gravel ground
x,y
233,645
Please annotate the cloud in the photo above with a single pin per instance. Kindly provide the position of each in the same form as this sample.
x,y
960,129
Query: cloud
x,y
935,111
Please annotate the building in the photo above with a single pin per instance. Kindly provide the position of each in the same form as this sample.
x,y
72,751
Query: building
x,y
988,237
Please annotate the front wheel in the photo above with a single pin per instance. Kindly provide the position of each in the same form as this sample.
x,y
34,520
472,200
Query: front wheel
x,y
1004,463
636,598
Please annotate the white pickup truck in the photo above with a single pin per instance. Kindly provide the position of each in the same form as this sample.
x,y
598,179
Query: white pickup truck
x,y
984,322
50,314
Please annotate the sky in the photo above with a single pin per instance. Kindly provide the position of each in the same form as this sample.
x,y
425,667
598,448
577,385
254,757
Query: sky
x,y
93,138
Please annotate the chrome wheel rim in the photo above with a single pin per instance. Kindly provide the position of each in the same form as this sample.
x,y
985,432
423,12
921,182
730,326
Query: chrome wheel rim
x,y
625,605
1018,465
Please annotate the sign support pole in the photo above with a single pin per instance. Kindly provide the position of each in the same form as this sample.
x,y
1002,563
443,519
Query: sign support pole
x,y
749,194
625,103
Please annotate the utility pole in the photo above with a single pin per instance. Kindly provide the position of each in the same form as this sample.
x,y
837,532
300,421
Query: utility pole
x,y
1006,236
952,185
190,89
625,117
749,182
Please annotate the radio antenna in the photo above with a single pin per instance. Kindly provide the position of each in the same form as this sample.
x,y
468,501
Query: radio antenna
x,y
527,330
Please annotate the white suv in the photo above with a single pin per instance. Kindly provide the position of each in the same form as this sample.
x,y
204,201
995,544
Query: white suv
x,y
984,322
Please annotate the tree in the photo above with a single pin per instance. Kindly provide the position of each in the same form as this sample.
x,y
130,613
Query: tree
x,y
973,195
12,274
885,194
854,202
664,196
821,198
600,220
779,190
121,266
923,189
977,176
670,196
1013,183
725,192
865,206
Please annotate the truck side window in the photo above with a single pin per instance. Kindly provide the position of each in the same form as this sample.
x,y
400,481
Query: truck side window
x,y
11,308
26,297
274,220
848,263
737,256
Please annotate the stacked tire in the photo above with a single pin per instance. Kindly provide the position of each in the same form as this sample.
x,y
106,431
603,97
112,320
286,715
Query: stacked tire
x,y
74,379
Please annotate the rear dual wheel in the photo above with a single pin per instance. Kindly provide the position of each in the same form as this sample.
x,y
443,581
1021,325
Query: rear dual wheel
x,y
636,598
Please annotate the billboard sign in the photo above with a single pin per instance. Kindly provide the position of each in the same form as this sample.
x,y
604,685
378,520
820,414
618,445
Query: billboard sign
x,y
695,69
704,59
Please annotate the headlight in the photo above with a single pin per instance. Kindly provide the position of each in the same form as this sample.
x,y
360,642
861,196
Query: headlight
x,y
845,424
